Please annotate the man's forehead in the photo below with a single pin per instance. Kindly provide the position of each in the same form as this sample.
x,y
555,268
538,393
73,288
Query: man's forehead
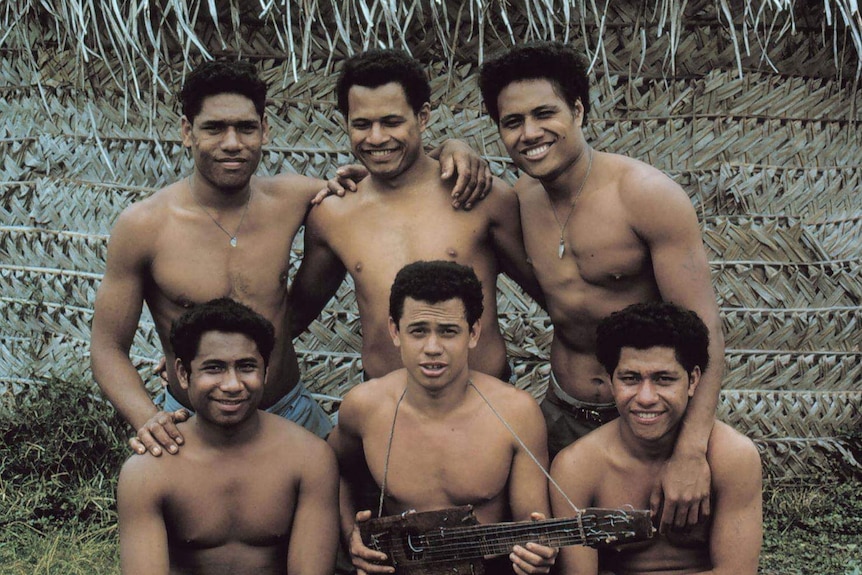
x,y
228,105
225,345
652,358
521,96
447,311
389,95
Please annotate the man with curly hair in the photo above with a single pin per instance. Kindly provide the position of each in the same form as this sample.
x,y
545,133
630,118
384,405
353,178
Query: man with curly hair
x,y
602,231
656,354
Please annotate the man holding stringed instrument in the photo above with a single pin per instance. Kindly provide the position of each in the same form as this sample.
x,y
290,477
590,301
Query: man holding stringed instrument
x,y
656,354
437,434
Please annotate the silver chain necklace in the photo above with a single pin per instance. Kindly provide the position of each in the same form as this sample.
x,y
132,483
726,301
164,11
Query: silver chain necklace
x,y
571,209
232,236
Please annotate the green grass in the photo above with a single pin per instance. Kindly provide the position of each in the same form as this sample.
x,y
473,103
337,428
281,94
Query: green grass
x,y
61,450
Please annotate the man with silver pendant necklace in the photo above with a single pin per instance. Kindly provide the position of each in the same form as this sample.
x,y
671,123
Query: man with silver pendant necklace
x,y
602,231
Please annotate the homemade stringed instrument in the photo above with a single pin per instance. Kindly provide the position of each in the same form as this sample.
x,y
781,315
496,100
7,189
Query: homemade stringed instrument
x,y
451,541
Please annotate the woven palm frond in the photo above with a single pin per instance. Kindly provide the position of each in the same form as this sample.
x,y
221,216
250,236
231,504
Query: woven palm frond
x,y
752,106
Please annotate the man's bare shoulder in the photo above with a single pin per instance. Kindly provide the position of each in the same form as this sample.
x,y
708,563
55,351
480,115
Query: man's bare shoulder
x,y
502,197
370,397
730,450
155,472
504,396
151,212
528,189
590,452
291,189
292,443
639,184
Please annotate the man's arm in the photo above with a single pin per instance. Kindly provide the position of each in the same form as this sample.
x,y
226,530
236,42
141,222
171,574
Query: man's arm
x,y
737,528
346,442
143,534
528,485
314,535
576,475
508,239
664,218
117,311
317,279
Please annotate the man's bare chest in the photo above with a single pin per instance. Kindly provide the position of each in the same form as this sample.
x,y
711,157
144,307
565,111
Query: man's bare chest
x,y
384,241
446,467
190,274
223,508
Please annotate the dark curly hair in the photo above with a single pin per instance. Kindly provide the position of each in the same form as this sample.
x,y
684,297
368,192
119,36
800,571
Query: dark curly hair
x,y
558,63
224,315
222,77
435,282
374,68
646,325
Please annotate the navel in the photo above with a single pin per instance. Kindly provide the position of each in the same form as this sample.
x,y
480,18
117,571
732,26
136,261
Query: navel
x,y
358,267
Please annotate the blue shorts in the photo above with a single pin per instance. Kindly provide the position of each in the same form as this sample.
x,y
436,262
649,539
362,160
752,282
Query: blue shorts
x,y
297,406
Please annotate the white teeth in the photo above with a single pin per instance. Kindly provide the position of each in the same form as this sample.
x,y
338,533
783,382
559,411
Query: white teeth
x,y
647,415
379,152
533,152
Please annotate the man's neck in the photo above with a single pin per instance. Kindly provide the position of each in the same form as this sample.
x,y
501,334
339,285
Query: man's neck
x,y
439,402
571,181
652,451
417,172
221,436
210,196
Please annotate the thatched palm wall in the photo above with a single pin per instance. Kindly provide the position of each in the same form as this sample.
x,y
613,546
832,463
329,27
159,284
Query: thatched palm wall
x,y
752,106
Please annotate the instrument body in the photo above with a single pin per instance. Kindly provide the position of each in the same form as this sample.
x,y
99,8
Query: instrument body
x,y
451,541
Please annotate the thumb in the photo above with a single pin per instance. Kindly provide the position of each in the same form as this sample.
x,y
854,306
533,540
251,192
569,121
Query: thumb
x,y
447,167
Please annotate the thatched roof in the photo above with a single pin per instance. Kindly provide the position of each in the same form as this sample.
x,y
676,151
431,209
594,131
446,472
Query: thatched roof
x,y
751,106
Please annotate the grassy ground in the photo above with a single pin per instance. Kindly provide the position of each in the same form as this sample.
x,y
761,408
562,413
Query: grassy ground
x,y
59,456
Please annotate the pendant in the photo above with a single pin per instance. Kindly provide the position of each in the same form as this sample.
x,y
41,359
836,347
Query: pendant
x,y
562,248
233,242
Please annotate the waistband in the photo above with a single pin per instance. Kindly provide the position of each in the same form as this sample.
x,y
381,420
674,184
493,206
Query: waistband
x,y
554,386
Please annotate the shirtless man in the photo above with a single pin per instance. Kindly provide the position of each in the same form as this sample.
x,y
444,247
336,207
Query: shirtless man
x,y
220,232
401,214
602,231
271,507
447,447
657,353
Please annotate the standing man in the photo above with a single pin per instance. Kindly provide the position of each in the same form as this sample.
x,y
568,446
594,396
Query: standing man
x,y
434,434
221,232
602,231
656,353
401,214
250,493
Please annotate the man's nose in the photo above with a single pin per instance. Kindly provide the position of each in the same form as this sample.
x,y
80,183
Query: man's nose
x,y
532,130
231,140
377,135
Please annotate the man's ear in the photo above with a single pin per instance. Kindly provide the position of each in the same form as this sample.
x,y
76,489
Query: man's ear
x,y
424,115
475,332
182,374
693,380
186,131
265,127
394,333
